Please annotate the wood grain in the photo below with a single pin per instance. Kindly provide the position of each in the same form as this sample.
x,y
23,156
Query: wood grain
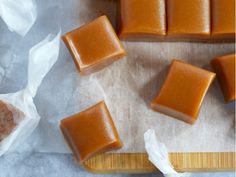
x,y
182,162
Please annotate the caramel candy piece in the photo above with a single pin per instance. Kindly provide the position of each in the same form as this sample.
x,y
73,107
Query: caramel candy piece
x,y
9,119
91,132
225,72
142,19
182,93
223,19
188,19
94,46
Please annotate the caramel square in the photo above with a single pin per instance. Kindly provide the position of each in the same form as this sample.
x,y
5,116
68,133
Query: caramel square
x,y
224,67
183,91
223,19
91,132
94,45
188,19
142,19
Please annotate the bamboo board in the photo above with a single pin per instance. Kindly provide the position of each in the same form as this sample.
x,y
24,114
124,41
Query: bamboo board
x,y
182,162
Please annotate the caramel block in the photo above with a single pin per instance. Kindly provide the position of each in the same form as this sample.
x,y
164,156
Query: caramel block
x,y
142,19
91,132
225,72
9,119
182,93
188,19
94,46
223,19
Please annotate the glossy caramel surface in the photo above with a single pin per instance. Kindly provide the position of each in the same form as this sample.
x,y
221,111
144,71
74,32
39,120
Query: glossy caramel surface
x,y
142,19
188,18
183,91
94,45
223,18
91,132
224,67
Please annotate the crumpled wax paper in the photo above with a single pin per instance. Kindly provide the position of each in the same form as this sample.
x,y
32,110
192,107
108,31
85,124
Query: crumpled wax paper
x,y
159,155
25,116
19,15
129,85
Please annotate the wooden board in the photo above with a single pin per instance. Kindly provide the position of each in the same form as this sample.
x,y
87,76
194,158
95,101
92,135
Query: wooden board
x,y
182,162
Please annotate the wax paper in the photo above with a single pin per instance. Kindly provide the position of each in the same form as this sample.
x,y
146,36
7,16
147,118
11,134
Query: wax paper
x,y
19,15
20,104
158,155
127,86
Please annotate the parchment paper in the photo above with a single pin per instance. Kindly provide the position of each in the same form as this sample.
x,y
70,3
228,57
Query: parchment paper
x,y
129,85
135,83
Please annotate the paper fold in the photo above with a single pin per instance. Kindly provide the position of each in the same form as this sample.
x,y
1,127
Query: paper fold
x,y
19,15
41,58
40,62
158,155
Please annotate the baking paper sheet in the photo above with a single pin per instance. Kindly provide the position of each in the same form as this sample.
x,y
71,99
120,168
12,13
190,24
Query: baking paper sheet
x,y
19,15
128,85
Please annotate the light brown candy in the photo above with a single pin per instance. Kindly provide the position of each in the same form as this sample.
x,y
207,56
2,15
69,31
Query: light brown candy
x,y
182,93
142,19
94,45
224,67
91,132
223,19
188,19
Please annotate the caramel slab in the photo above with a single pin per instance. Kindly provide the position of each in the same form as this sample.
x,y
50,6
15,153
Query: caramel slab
x,y
188,19
142,19
183,91
94,45
223,19
91,132
224,67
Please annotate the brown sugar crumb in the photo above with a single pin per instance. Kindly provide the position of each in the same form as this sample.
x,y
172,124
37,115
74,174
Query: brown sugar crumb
x,y
10,116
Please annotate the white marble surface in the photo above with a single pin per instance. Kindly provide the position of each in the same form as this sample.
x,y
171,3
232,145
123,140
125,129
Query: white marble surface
x,y
62,165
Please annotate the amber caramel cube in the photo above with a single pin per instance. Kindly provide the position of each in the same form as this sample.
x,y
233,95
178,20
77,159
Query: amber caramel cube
x,y
91,132
94,46
142,19
188,19
223,19
225,72
182,93
10,117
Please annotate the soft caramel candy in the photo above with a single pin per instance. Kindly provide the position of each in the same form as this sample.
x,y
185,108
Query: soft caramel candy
x,y
9,119
91,132
223,19
142,19
94,46
225,72
182,93
188,19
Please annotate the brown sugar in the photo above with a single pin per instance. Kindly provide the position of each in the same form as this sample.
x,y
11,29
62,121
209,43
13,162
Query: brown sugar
x,y
9,119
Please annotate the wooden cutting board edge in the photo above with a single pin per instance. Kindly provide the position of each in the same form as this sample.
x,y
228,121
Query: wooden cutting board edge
x,y
183,162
